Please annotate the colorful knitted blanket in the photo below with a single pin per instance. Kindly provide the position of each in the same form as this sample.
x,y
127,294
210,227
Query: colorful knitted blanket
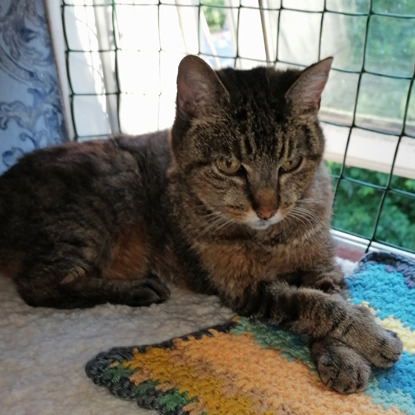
x,y
247,367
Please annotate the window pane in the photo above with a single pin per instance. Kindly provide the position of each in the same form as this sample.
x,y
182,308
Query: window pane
x,y
390,46
339,96
251,40
137,28
87,2
80,28
348,6
91,116
139,72
135,116
311,5
171,35
269,4
220,36
299,37
86,72
394,7
215,17
381,103
347,45
168,72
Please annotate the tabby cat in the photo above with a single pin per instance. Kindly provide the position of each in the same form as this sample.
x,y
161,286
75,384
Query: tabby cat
x,y
233,201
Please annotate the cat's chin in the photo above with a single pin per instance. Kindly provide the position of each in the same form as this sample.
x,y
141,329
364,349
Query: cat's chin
x,y
258,224
262,226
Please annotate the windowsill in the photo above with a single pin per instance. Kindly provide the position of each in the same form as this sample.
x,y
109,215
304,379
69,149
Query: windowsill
x,y
353,248
370,150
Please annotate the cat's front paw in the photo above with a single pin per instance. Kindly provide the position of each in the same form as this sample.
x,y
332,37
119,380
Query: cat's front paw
x,y
148,290
339,366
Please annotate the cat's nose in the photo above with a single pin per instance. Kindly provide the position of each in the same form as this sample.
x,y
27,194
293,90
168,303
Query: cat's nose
x,y
265,203
265,213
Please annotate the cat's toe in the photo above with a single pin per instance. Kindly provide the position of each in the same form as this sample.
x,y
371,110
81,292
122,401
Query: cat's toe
x,y
343,377
389,349
340,367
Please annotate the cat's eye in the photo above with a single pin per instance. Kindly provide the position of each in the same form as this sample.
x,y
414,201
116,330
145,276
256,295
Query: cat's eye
x,y
228,165
292,165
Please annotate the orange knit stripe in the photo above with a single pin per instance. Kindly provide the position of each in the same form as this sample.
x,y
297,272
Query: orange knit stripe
x,y
214,370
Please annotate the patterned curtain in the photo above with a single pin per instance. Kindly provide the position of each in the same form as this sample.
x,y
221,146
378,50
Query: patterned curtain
x,y
31,114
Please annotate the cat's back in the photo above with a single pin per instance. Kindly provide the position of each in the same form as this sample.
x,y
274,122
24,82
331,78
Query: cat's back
x,y
79,182
76,164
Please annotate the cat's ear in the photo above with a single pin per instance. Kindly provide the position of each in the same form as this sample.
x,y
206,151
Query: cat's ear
x,y
199,89
305,93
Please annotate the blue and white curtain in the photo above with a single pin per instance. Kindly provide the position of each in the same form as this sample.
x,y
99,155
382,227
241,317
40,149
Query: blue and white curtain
x,y
31,114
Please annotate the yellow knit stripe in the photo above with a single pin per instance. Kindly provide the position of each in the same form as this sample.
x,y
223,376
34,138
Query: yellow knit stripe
x,y
230,374
208,389
406,335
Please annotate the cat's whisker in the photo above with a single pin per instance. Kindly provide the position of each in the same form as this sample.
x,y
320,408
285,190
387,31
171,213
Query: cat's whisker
x,y
303,215
216,226
312,216
213,221
296,217
311,201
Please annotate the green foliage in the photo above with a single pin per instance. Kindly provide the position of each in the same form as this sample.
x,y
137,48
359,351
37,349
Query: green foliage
x,y
214,13
358,203
389,50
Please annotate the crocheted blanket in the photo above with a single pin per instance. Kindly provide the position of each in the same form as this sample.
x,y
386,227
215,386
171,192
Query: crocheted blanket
x,y
247,367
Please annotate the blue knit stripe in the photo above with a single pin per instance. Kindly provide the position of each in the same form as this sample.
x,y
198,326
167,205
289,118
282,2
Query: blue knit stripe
x,y
393,262
386,282
390,399
400,376
385,292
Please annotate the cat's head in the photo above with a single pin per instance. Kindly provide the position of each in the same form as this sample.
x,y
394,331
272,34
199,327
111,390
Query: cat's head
x,y
248,143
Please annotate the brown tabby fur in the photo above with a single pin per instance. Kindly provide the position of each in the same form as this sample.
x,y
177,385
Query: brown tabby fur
x,y
110,220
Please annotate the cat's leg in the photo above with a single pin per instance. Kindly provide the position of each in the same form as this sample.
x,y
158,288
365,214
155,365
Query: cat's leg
x,y
339,366
320,315
144,291
81,264
65,285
